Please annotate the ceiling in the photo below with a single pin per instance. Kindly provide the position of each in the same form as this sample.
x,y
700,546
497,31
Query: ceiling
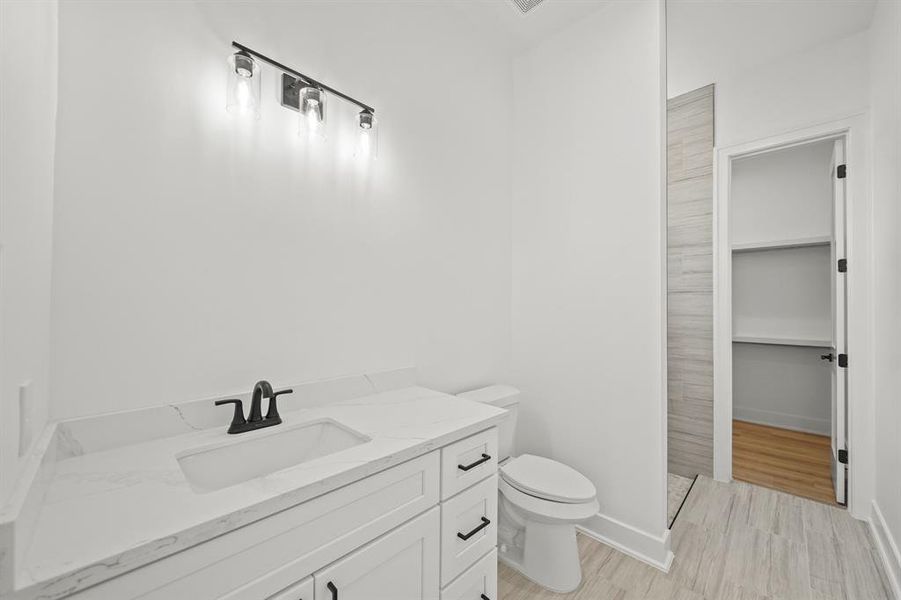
x,y
707,39
514,31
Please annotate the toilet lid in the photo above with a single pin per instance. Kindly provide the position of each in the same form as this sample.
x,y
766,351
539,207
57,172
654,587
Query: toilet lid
x,y
548,479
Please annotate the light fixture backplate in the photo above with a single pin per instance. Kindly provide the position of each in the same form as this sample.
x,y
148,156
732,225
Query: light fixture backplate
x,y
290,96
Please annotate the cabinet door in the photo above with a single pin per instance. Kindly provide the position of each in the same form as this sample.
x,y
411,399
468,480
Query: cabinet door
x,y
298,591
401,565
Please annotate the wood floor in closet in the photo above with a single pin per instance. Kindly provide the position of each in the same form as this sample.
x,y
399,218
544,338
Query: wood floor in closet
x,y
791,461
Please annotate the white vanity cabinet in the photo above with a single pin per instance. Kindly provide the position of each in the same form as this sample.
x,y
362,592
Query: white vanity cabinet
x,y
393,535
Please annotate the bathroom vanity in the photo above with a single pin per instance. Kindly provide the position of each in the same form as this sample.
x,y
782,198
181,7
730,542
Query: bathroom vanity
x,y
402,504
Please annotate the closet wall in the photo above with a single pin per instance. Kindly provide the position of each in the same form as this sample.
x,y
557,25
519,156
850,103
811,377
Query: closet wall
x,y
690,282
781,291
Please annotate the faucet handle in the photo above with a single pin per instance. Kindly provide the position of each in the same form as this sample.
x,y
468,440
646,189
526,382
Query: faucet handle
x,y
272,413
238,417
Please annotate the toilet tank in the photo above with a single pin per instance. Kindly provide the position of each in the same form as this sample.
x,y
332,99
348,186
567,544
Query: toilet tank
x,y
502,396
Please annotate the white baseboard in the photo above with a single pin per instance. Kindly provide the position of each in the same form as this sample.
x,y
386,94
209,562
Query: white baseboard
x,y
888,549
783,420
640,545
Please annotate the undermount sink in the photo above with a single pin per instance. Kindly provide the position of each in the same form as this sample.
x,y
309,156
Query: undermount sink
x,y
216,466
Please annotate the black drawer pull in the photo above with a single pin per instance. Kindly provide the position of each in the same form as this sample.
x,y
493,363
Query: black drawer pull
x,y
484,597
331,587
485,458
466,536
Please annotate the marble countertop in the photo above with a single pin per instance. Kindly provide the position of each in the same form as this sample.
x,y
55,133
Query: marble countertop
x,y
108,512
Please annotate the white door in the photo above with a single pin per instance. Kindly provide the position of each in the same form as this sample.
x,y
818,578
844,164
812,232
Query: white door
x,y
839,332
401,565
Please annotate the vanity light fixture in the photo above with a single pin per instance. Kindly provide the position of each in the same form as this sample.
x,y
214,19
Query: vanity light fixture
x,y
367,135
299,92
312,102
243,85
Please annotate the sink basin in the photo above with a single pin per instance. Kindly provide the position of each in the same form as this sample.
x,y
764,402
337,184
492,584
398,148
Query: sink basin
x,y
262,452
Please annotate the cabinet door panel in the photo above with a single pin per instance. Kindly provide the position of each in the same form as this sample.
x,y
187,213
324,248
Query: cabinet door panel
x,y
401,565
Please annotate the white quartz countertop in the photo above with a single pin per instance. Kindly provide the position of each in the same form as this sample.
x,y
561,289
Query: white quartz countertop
x,y
106,513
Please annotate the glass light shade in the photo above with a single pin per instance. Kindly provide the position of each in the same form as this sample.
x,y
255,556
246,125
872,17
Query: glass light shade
x,y
243,86
367,136
312,113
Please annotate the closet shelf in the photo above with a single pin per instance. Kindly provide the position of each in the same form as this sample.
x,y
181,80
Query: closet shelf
x,y
822,240
782,341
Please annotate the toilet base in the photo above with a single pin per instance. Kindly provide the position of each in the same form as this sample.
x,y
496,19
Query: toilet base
x,y
550,556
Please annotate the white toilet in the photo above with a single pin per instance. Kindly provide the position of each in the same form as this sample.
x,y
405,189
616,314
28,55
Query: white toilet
x,y
540,503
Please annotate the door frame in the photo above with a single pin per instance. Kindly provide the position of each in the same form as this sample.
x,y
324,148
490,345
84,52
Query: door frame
x,y
861,453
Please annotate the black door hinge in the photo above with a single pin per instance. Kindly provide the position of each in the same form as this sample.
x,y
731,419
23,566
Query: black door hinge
x,y
843,360
841,171
843,265
843,456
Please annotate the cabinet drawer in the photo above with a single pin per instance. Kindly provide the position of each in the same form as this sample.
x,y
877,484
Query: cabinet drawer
x,y
463,463
298,591
479,582
468,528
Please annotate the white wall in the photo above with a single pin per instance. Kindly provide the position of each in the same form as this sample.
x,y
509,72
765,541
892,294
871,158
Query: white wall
x,y
777,66
779,196
886,121
783,195
195,253
783,294
28,68
782,386
709,39
587,258
819,85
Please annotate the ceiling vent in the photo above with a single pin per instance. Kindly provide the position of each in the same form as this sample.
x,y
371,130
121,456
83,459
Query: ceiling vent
x,y
525,6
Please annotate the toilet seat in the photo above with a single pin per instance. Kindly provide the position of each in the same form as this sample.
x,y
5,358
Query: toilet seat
x,y
547,511
548,480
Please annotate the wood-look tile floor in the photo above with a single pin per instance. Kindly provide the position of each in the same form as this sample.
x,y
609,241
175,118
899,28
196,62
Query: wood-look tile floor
x,y
791,461
734,541
676,490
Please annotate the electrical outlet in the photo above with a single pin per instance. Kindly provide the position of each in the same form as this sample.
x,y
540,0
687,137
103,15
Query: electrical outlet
x,y
26,422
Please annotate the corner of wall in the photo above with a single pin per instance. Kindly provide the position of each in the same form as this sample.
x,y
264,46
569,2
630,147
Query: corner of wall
x,y
30,70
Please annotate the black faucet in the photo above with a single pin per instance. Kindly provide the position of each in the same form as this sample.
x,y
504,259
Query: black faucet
x,y
256,420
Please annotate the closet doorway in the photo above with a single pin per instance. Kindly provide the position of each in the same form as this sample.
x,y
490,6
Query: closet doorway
x,y
787,221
